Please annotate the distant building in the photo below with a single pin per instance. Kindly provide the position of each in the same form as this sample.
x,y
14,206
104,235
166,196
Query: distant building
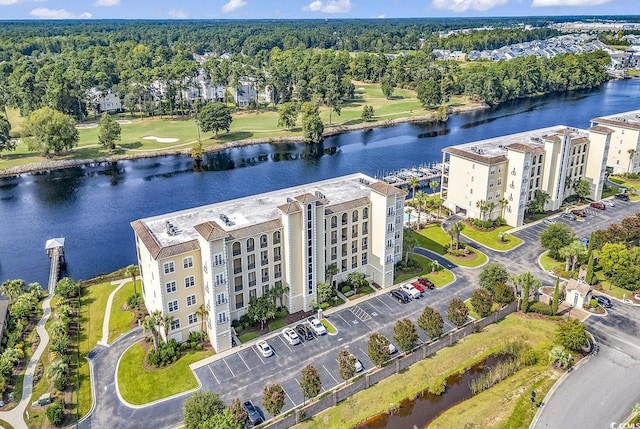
x,y
101,101
624,152
4,313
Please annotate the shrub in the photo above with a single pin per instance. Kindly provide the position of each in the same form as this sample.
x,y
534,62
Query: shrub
x,y
235,323
246,321
530,357
324,305
631,176
281,313
167,354
345,289
134,301
195,337
593,303
541,308
55,414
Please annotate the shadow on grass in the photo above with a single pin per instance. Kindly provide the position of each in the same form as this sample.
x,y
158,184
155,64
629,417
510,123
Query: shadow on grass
x,y
236,135
131,145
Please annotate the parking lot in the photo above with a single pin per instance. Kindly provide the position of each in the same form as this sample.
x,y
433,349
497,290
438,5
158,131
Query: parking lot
x,y
245,373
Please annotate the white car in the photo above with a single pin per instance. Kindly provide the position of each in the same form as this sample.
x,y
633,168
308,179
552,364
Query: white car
x,y
608,203
549,221
411,290
291,336
264,348
359,366
392,349
316,326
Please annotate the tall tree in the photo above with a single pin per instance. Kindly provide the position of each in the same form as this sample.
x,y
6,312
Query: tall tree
x,y
457,312
571,253
631,153
429,93
405,334
346,364
482,302
457,228
433,185
238,411
430,321
202,313
288,114
215,117
556,297
261,309
378,349
50,130
12,288
582,189
387,85
133,271
109,131
413,183
409,242
201,406
310,382
555,237
6,142
273,397
312,126
357,280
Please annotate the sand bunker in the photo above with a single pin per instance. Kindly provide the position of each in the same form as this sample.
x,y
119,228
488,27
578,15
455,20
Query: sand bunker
x,y
160,139
86,126
123,121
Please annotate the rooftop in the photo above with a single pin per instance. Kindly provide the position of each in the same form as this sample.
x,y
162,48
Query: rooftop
x,y
257,209
627,119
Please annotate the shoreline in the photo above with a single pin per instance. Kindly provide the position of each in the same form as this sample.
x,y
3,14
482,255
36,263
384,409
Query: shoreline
x,y
44,166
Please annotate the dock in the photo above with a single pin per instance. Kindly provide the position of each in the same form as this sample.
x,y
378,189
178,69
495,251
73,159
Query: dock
x,y
424,173
55,251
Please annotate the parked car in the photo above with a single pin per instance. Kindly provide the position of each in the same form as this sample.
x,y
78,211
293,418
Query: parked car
x,y
304,332
264,348
291,336
392,349
622,197
426,283
585,241
418,286
608,203
359,366
568,216
412,291
579,213
549,221
253,413
603,301
598,205
317,327
401,296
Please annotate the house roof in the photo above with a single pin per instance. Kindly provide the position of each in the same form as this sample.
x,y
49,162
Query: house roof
x,y
581,287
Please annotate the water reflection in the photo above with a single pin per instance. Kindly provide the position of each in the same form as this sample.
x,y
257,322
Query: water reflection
x,y
59,186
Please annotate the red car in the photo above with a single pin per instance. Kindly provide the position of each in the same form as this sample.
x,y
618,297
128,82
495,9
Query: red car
x,y
426,283
418,286
597,205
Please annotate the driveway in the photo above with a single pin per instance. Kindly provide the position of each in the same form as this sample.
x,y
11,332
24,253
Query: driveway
x,y
604,389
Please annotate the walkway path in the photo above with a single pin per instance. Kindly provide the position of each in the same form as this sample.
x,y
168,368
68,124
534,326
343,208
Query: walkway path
x,y
16,416
104,341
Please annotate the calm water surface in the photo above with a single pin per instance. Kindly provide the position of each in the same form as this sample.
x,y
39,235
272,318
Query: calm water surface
x,y
92,206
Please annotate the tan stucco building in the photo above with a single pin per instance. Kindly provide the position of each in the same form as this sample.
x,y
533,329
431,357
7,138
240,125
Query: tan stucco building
x,y
222,255
508,170
624,153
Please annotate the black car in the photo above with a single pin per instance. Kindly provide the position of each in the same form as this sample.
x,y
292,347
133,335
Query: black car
x,y
623,197
253,413
304,332
603,301
400,295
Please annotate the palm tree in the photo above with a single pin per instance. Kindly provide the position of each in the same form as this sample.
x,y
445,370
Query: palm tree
x,y
433,185
631,153
276,293
438,203
152,323
202,314
12,289
165,324
457,228
58,370
571,254
413,184
330,271
421,199
482,206
133,271
408,243
503,205
435,266
490,208
452,235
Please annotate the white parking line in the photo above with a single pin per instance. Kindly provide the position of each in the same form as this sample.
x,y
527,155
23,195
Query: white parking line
x,y
285,343
343,319
382,302
243,361
330,375
258,354
448,324
225,362
214,376
285,392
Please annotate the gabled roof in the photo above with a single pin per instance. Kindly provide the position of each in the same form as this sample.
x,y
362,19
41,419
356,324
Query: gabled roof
x,y
290,207
210,230
601,130
386,189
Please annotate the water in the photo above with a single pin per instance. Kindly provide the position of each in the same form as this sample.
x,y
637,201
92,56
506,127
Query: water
x,y
92,206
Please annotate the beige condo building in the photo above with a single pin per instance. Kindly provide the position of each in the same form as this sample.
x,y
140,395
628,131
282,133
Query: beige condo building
x,y
222,255
624,153
507,170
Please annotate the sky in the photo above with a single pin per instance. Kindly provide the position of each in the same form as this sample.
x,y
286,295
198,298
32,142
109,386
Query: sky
x,y
305,9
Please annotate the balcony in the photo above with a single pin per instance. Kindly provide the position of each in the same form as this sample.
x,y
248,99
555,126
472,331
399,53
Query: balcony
x,y
354,250
277,241
334,240
344,238
278,274
236,252
264,262
251,266
265,279
334,224
277,258
354,234
237,270
344,253
364,261
252,283
365,231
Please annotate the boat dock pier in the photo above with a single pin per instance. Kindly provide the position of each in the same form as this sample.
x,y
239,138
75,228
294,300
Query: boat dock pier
x,y
55,251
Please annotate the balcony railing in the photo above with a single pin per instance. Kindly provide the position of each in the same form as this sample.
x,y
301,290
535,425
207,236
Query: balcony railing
x,y
252,283
277,258
251,249
334,224
251,266
264,262
265,278
278,274
237,270
236,252
334,240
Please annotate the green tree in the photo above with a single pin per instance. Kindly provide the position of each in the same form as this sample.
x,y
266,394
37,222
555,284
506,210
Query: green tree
x,y
571,253
201,406
457,229
503,294
614,258
413,184
387,85
202,313
482,302
409,242
197,153
261,309
288,115
433,185
152,324
492,274
133,271
67,288
58,374
572,334
312,126
631,153
357,280
405,334
457,312
310,382
109,131
55,414
325,292
378,349
430,321
556,297
582,189
330,271
239,413
12,288
224,420
273,397
555,237
346,364
590,275
367,113
560,357
50,130
215,117
6,142
429,93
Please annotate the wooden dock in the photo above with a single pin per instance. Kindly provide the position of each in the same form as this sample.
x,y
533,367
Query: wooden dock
x,y
424,173
55,251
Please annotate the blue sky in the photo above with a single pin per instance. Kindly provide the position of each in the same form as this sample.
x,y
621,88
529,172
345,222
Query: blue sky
x,y
291,9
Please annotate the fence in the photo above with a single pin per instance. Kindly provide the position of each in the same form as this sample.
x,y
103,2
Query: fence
x,y
343,391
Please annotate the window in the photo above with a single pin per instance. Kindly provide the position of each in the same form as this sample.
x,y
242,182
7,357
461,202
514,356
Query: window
x,y
252,294
169,267
364,259
239,301
264,258
471,191
173,306
365,213
390,227
250,245
171,287
236,248
354,216
493,171
222,317
334,221
354,262
191,300
263,240
472,178
491,184
265,274
277,255
221,299
187,262
193,318
251,261
252,278
364,243
276,237
473,166
175,324
189,282
219,279
365,228
217,259
345,218
237,281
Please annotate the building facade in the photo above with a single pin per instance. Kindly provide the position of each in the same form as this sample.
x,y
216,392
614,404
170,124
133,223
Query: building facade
x,y
624,154
203,265
500,176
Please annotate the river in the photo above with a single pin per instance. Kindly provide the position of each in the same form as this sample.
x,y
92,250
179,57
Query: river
x,y
92,206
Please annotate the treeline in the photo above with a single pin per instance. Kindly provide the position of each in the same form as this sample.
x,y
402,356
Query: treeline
x,y
492,39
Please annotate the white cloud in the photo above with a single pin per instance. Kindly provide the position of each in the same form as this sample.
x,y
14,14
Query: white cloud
x,y
106,3
9,2
46,13
329,6
464,5
546,3
178,14
233,5
381,16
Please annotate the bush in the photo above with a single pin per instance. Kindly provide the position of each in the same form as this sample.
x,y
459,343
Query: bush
x,y
281,313
235,323
245,321
167,354
631,176
324,305
593,303
195,337
540,308
345,289
134,301
55,414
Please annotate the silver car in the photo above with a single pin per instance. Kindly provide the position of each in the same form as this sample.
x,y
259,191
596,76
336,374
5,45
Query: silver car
x,y
291,336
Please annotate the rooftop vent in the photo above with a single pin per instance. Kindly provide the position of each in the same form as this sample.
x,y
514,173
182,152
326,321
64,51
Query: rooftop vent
x,y
320,195
226,219
363,181
171,230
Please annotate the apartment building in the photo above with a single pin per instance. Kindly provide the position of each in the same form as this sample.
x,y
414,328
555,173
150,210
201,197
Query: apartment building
x,y
624,153
222,255
507,170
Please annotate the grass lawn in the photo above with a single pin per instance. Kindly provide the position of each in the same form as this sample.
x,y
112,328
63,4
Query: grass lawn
x,y
5,425
140,386
627,183
120,319
538,333
439,279
609,289
491,239
434,238
248,336
472,311
277,324
549,263
328,326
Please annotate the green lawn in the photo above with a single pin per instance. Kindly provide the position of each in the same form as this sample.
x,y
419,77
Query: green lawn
x,y
627,183
139,385
548,263
247,336
328,326
439,279
491,239
381,397
472,310
434,238
609,289
119,318
277,324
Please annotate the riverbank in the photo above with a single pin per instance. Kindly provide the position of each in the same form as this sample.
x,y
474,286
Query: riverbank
x,y
58,164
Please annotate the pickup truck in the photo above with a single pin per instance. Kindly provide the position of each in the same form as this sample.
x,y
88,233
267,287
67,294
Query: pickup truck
x,y
253,414
317,327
